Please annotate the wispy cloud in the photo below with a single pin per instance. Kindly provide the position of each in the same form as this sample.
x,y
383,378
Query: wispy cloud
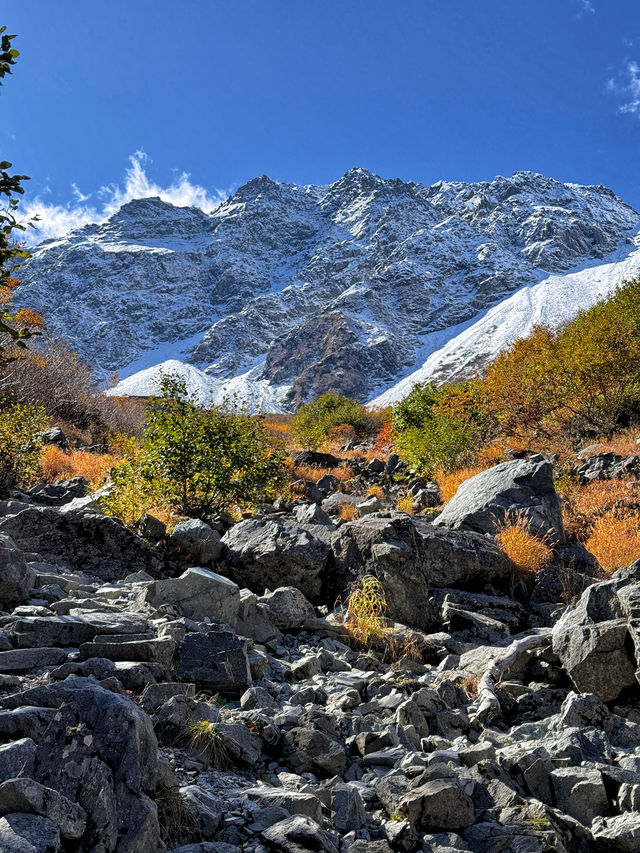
x,y
56,220
626,87
585,7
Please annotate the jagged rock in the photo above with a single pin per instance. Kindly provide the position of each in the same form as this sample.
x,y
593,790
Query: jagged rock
x,y
198,594
23,660
17,758
313,751
313,514
54,435
334,503
34,632
294,802
368,506
316,459
215,660
594,646
26,795
439,804
607,466
151,528
274,552
110,761
618,834
85,542
409,555
523,487
580,792
298,834
206,807
347,809
15,578
196,541
57,494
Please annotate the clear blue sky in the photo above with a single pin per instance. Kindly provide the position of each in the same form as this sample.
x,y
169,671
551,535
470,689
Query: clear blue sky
x,y
303,90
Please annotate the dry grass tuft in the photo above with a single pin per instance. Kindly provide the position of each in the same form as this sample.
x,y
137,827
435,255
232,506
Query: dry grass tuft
x,y
178,823
55,464
470,685
527,552
405,504
366,606
348,512
207,739
378,491
449,482
615,540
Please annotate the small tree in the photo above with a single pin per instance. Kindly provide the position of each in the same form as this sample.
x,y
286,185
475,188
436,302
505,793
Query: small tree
x,y
203,459
19,444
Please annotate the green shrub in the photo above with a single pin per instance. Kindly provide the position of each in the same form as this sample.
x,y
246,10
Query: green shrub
x,y
198,460
19,444
440,428
314,421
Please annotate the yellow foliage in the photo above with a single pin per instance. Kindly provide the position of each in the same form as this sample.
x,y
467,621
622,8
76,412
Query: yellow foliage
x,y
56,464
527,552
405,504
366,606
378,491
615,540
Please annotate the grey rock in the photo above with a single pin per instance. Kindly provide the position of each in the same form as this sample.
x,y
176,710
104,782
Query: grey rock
x,y
24,660
198,594
580,792
207,808
439,804
288,608
17,758
196,541
298,834
618,834
85,542
347,808
215,660
274,552
15,579
26,795
28,833
521,487
294,802
313,514
368,506
151,528
313,751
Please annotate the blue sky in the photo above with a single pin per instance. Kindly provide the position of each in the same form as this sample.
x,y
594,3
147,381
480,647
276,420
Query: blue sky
x,y
303,90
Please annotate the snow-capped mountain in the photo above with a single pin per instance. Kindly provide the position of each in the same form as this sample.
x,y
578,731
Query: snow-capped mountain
x,y
367,284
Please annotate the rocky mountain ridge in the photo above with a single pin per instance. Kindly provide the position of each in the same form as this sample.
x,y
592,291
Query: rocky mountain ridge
x,y
286,291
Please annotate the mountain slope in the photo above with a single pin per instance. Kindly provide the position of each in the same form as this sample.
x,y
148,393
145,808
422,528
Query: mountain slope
x,y
284,291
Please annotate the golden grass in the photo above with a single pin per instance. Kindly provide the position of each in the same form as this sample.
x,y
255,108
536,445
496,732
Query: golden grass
x,y
56,464
366,608
584,504
449,483
378,491
405,504
615,540
348,512
527,553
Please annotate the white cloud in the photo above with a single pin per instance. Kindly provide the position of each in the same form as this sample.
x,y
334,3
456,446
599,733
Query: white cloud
x,y
626,86
54,220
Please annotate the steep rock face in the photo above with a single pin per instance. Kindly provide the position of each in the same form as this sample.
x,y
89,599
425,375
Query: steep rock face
x,y
296,290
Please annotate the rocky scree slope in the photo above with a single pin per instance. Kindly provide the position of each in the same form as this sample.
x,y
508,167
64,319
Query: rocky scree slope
x,y
287,291
504,724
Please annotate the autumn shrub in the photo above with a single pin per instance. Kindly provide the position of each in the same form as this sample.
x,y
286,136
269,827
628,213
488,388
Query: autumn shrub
x,y
376,491
56,464
440,428
449,483
615,540
527,553
384,440
314,421
19,445
348,512
405,504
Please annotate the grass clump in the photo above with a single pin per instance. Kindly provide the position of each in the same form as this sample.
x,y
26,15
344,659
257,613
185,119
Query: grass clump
x,y
178,824
56,464
405,504
615,540
366,608
207,739
527,553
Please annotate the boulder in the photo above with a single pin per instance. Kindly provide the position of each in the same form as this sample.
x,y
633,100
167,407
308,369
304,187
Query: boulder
x,y
288,608
57,494
271,552
109,766
28,833
26,795
197,594
298,834
215,660
334,503
316,459
312,751
15,578
151,528
409,556
196,541
370,505
439,804
522,487
83,541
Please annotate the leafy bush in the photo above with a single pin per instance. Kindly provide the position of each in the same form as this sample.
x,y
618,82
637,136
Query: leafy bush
x,y
198,460
19,444
314,421
440,428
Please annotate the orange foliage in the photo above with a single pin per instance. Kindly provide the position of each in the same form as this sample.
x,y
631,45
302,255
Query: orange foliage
x,y
55,464
584,504
384,440
615,540
348,512
527,553
449,482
